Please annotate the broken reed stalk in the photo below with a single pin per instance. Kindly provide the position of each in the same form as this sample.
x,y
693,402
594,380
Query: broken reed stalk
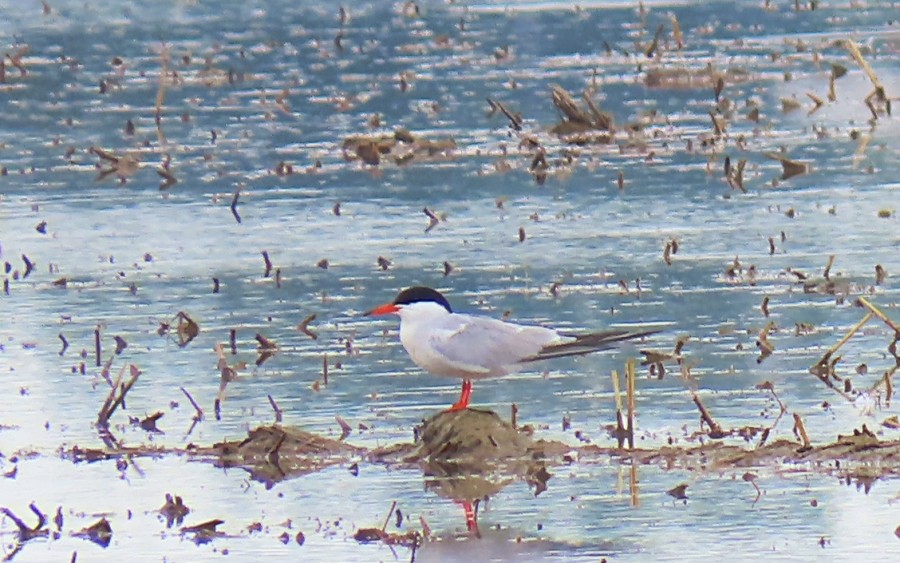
x,y
715,431
888,386
868,316
161,93
135,373
97,346
629,384
620,423
104,414
389,514
616,390
278,412
864,65
800,431
199,416
881,316
24,532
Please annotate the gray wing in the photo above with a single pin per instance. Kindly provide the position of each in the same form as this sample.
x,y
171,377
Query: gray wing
x,y
490,346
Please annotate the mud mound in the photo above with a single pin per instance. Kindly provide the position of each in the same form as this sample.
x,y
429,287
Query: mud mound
x,y
273,453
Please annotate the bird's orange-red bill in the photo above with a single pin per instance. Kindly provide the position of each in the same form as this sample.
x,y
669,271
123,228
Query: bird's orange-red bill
x,y
385,309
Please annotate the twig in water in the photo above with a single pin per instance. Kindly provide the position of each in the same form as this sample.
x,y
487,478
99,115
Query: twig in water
x,y
766,348
800,432
388,518
304,327
234,204
715,431
751,478
103,415
432,219
120,400
346,429
629,385
877,312
97,345
268,262
276,409
198,416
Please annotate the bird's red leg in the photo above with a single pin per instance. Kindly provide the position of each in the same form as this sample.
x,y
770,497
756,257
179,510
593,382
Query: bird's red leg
x,y
471,517
463,402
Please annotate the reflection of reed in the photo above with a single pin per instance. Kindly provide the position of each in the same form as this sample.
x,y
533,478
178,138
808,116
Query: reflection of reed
x,y
624,432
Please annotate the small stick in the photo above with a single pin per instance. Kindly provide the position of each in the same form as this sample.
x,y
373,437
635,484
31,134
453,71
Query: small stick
x,y
275,408
620,422
877,312
616,390
265,343
346,429
432,219
629,382
864,65
104,373
234,204
848,336
888,387
199,416
715,431
268,271
103,415
135,372
388,519
325,368
621,433
65,344
161,91
827,272
800,431
97,345
304,327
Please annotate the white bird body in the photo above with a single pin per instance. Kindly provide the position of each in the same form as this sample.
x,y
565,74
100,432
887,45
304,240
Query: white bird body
x,y
471,347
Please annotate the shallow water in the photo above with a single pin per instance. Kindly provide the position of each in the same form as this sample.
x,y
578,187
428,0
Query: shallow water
x,y
134,256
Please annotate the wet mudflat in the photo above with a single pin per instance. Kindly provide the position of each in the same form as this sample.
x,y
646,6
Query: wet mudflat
x,y
198,202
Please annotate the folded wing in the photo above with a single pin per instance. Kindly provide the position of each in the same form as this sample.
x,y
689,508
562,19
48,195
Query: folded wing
x,y
587,343
490,347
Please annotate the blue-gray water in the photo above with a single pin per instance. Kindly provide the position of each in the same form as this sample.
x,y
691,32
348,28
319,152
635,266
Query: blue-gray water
x,y
134,256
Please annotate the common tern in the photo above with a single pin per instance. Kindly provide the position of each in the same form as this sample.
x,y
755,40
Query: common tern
x,y
476,347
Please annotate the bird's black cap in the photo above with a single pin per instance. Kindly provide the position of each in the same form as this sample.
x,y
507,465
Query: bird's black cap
x,y
420,293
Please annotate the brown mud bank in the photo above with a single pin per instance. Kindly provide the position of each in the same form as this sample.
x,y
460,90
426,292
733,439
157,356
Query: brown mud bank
x,y
471,454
